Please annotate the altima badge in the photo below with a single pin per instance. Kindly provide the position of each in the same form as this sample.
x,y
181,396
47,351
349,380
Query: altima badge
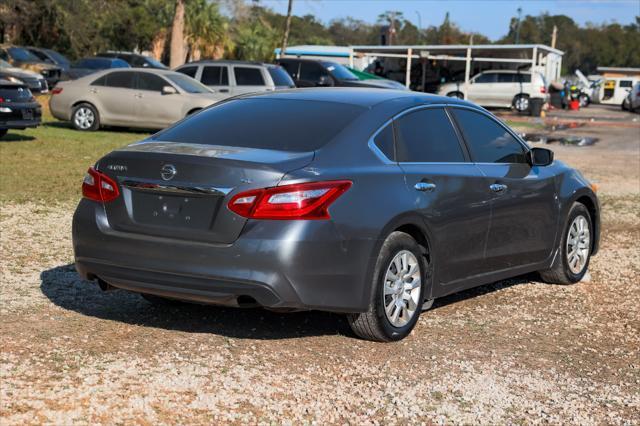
x,y
168,171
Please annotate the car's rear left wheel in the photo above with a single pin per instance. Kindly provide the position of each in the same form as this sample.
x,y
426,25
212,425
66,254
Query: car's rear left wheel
x,y
399,283
521,103
85,117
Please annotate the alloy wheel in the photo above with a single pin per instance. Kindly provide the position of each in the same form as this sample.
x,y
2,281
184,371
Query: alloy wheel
x,y
402,288
522,103
578,243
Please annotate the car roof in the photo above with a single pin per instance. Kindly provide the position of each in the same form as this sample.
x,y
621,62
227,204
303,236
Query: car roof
x,y
364,97
148,70
224,61
506,71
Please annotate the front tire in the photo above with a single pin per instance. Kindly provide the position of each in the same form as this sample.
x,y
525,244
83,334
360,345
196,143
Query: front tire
x,y
521,103
585,100
572,260
85,117
398,291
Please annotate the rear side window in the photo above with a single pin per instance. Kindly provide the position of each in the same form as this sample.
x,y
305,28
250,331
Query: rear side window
x,y
523,78
487,140
102,81
214,76
258,123
486,78
626,83
122,80
280,77
506,78
190,71
311,71
248,76
147,81
384,142
427,136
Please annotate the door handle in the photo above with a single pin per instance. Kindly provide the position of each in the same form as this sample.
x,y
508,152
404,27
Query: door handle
x,y
93,91
498,188
138,95
424,186
223,90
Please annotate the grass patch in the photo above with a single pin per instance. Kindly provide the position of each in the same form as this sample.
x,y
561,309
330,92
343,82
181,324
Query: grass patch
x,y
47,163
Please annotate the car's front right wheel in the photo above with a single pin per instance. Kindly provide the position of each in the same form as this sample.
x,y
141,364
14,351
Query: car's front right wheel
x,y
398,291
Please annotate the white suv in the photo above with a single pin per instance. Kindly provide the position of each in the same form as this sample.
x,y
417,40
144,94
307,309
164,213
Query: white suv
x,y
503,88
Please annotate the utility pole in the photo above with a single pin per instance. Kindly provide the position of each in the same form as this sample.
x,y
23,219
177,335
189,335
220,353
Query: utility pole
x,y
419,26
554,36
287,26
518,26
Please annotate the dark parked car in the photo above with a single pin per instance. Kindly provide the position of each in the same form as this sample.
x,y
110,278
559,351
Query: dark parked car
x,y
86,66
318,73
22,58
135,60
18,107
368,202
34,81
50,56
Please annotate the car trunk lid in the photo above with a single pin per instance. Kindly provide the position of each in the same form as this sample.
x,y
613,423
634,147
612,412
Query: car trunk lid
x,y
180,190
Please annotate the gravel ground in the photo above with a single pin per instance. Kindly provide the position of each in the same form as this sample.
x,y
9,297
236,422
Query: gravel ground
x,y
517,351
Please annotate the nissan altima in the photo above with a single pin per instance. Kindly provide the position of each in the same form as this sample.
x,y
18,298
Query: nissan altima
x,y
368,202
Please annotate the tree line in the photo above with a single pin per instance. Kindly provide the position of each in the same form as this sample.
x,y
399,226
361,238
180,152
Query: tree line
x,y
176,31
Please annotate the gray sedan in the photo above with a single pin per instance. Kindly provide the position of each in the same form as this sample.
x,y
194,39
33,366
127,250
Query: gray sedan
x,y
149,99
370,202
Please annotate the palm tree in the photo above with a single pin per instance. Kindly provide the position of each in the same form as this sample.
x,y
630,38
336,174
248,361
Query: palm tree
x,y
177,36
287,27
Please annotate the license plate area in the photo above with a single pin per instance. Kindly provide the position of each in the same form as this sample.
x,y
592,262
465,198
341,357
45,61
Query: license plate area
x,y
174,211
27,114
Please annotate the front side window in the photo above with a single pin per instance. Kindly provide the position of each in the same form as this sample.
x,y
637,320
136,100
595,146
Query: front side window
x,y
506,78
151,82
311,71
291,68
187,84
214,76
427,136
122,80
487,140
248,76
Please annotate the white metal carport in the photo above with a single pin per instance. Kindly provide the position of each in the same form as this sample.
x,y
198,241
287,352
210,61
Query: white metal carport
x,y
538,57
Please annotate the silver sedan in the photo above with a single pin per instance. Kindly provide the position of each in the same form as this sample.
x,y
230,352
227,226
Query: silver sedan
x,y
149,99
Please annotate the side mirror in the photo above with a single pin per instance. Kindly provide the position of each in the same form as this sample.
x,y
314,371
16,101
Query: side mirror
x,y
324,81
540,157
169,90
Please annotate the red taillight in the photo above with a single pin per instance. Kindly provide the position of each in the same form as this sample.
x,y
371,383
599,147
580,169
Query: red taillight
x,y
543,90
97,186
304,201
56,90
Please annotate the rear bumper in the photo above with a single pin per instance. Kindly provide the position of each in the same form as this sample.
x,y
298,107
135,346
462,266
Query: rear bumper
x,y
276,264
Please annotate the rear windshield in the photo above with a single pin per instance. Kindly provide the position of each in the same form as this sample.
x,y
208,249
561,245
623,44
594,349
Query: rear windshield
x,y
14,94
278,124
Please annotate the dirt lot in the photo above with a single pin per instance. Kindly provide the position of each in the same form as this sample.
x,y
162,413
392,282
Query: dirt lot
x,y
518,351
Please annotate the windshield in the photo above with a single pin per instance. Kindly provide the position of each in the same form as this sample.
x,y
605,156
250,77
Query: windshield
x,y
339,71
188,84
58,57
23,55
280,77
14,93
265,123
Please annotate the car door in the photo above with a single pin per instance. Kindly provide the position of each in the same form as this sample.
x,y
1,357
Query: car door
x,y
248,79
152,108
116,98
216,78
481,90
507,87
524,205
448,194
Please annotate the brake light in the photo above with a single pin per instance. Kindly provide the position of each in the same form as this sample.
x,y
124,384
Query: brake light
x,y
97,186
543,89
56,90
304,201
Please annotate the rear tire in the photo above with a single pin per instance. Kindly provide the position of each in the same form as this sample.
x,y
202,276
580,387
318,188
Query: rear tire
x,y
521,103
399,283
585,100
456,95
572,260
85,117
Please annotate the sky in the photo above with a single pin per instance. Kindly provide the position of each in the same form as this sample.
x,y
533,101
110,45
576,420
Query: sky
x,y
489,17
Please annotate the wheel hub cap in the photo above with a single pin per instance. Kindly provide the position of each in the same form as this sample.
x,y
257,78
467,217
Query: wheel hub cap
x,y
402,288
84,118
578,244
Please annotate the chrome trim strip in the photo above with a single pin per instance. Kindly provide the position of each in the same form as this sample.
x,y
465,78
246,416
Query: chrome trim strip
x,y
154,186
